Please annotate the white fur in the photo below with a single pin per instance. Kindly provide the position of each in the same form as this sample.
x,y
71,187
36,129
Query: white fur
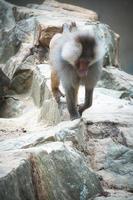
x,y
71,51
54,40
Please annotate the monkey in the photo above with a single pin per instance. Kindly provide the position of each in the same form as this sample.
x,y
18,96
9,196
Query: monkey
x,y
76,57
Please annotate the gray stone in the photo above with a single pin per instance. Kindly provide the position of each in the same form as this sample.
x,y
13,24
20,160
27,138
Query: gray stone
x,y
42,96
49,25
39,88
64,131
11,107
65,174
113,162
16,178
10,45
108,129
116,79
22,78
7,18
52,171
26,39
116,195
4,83
50,113
10,40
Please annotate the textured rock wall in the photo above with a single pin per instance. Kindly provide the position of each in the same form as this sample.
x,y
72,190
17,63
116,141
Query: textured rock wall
x,y
43,155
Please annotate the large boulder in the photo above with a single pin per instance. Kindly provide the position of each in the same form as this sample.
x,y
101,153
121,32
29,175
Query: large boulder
x,y
108,127
52,171
9,43
117,80
7,20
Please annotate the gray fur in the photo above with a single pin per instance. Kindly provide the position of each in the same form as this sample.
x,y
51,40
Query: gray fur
x,y
68,74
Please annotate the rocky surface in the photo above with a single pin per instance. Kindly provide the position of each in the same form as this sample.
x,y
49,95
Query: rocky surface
x,y
50,171
44,155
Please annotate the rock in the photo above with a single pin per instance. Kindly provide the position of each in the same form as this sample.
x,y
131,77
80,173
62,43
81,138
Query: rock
x,y
116,195
40,31
113,163
54,171
39,87
108,130
61,160
7,37
4,83
11,107
113,109
87,20
116,79
19,68
8,41
50,113
73,11
16,177
64,132
40,53
26,39
49,25
42,96
22,77
42,155
7,20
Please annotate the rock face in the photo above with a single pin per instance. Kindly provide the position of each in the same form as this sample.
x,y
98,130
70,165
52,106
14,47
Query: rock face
x,y
117,80
51,171
42,155
64,174
109,134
